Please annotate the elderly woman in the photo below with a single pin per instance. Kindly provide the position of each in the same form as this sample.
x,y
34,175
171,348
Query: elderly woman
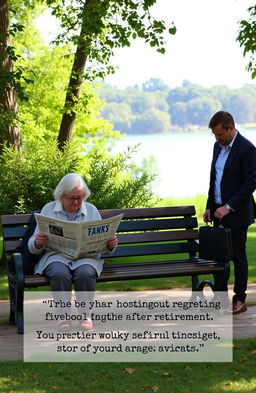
x,y
70,195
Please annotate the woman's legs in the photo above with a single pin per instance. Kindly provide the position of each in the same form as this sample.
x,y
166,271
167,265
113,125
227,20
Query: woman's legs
x,y
84,278
60,278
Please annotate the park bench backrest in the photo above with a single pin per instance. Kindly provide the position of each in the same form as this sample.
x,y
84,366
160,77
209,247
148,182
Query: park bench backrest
x,y
144,231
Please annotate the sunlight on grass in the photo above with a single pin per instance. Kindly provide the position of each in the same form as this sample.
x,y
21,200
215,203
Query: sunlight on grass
x,y
241,386
199,201
3,286
251,235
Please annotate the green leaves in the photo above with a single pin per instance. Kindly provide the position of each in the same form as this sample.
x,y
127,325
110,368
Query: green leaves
x,y
102,26
172,30
247,39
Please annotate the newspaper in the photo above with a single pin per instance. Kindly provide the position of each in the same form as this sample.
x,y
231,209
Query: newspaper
x,y
75,238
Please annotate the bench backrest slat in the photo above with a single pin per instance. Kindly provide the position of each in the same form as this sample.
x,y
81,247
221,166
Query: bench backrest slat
x,y
157,236
14,232
139,228
15,219
133,238
151,212
157,224
153,249
11,232
135,213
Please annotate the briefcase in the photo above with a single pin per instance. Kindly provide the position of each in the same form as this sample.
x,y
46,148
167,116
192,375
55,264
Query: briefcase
x,y
215,243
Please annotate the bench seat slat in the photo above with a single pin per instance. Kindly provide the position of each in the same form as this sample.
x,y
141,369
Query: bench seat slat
x,y
135,271
197,261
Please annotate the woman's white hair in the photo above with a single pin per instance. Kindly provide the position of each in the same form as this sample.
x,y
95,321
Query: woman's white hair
x,y
67,183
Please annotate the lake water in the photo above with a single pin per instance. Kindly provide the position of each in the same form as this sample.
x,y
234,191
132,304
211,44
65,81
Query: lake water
x,y
183,160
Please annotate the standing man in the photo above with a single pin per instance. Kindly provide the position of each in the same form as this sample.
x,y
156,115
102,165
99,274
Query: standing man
x,y
230,199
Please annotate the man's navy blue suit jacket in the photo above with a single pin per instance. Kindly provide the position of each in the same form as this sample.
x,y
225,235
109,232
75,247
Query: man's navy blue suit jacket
x,y
238,182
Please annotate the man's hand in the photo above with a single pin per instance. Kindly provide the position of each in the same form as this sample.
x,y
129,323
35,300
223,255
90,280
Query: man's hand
x,y
207,216
40,240
112,243
221,212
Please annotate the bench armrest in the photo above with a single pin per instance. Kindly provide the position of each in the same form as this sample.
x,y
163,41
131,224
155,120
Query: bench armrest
x,y
15,266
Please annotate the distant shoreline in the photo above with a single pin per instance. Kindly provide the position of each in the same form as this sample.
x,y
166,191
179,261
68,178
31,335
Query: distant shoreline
x,y
191,129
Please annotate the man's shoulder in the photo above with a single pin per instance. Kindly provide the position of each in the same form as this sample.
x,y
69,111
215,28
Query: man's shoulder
x,y
242,139
243,142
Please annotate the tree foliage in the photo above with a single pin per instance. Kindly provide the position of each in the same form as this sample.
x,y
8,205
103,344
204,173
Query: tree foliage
x,y
158,108
29,177
108,24
247,39
96,28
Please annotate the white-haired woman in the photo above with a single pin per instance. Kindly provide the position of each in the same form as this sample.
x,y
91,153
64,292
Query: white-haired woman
x,y
70,195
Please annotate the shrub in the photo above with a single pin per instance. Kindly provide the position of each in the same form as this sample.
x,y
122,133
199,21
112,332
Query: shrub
x,y
28,179
116,182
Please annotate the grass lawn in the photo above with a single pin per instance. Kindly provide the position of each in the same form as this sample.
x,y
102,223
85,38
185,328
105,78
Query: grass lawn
x,y
235,377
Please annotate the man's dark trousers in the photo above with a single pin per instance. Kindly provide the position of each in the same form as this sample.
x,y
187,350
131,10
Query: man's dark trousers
x,y
239,237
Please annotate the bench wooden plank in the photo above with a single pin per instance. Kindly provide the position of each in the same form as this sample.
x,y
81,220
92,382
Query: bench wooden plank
x,y
146,270
152,249
151,212
125,226
15,219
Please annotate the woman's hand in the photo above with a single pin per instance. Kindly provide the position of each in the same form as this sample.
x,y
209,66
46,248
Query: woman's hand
x,y
40,240
112,243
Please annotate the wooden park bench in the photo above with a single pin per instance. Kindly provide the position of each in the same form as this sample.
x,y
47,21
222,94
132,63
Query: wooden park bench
x,y
153,243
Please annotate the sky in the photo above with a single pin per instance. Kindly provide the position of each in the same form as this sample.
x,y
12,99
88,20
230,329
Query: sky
x,y
204,49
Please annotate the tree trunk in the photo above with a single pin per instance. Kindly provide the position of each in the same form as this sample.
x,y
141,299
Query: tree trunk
x,y
9,130
74,88
72,97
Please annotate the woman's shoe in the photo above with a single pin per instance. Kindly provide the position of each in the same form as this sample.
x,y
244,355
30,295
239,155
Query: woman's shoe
x,y
86,324
64,326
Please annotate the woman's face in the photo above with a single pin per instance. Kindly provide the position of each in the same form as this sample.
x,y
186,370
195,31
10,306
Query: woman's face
x,y
72,200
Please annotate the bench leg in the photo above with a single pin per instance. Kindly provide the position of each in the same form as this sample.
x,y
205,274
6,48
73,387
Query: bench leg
x,y
16,304
198,286
19,310
12,302
19,293
220,281
19,304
